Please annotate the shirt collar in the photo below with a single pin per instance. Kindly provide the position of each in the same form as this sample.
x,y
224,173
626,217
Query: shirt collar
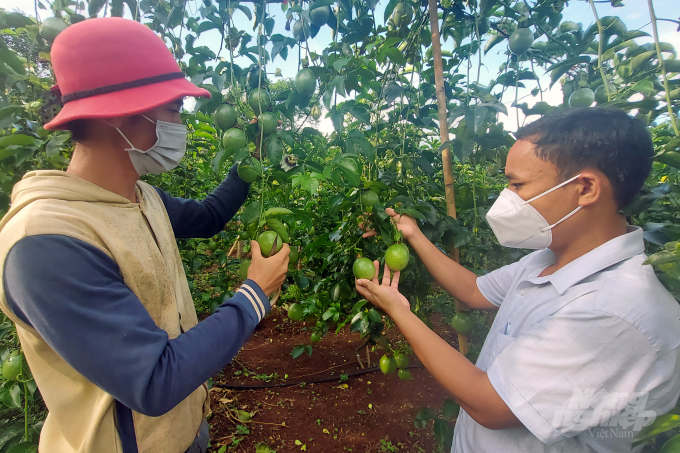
x,y
611,252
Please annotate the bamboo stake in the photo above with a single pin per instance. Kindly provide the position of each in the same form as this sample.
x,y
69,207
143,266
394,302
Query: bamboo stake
x,y
444,136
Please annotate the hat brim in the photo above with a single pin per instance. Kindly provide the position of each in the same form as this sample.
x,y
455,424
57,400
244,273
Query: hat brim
x,y
132,101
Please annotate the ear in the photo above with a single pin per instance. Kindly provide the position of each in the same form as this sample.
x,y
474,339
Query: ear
x,y
591,187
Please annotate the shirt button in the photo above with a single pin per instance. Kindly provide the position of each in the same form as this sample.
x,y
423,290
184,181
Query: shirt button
x,y
522,291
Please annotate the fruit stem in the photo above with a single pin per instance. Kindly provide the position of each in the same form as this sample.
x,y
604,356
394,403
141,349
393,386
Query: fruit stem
x,y
652,15
599,48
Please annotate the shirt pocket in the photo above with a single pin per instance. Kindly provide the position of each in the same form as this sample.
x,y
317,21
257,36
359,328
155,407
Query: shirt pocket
x,y
502,342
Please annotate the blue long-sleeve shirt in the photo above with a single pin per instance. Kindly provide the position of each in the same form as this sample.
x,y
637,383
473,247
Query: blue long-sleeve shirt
x,y
74,296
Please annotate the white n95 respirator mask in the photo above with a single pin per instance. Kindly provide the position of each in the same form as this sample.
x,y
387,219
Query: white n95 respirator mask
x,y
517,224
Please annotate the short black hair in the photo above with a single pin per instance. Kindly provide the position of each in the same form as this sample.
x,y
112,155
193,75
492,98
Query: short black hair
x,y
608,140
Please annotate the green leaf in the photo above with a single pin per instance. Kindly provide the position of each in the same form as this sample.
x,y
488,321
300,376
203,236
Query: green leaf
x,y
297,351
340,63
24,447
561,68
396,56
12,397
672,446
337,117
357,143
10,59
644,87
361,113
670,158
661,424
16,139
462,238
352,178
644,57
251,213
495,39
10,433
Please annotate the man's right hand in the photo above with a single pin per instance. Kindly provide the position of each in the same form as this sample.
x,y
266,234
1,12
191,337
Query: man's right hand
x,y
268,273
405,223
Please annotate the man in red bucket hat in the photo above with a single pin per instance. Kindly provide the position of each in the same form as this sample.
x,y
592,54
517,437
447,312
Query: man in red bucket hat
x,y
91,273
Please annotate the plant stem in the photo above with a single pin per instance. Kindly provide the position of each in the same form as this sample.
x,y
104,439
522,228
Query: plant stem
x,y
517,91
663,69
599,48
25,412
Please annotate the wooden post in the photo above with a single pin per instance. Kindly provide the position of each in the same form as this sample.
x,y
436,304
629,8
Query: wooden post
x,y
443,137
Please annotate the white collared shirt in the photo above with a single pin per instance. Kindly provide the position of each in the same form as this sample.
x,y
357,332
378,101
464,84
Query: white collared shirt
x,y
584,357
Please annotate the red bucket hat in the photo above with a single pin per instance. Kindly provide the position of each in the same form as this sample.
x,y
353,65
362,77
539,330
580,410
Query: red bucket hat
x,y
112,67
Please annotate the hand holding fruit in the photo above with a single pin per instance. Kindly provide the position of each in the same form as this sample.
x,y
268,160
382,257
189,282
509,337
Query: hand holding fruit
x,y
405,223
385,295
268,273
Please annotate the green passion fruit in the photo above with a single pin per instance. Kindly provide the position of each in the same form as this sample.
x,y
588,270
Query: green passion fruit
x,y
249,170
234,139
296,312
402,14
270,243
462,322
363,268
520,40
259,100
305,82
268,122
369,198
581,98
316,337
293,257
11,367
396,257
301,30
225,117
51,27
243,269
319,16
387,364
405,375
401,359
601,93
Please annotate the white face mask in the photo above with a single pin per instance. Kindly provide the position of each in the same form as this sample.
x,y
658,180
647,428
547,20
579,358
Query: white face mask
x,y
165,154
517,224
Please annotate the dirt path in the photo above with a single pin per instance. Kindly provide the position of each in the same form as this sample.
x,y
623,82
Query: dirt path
x,y
370,412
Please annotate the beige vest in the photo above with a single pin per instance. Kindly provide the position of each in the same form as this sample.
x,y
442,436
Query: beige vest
x,y
139,238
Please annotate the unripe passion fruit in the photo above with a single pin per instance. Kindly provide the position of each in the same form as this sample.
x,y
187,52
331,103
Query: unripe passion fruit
x,y
363,268
225,117
397,256
267,240
520,40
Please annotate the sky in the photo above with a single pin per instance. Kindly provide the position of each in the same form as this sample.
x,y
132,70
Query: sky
x,y
634,13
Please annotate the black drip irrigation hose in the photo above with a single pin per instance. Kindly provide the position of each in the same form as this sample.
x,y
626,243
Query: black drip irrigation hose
x,y
291,384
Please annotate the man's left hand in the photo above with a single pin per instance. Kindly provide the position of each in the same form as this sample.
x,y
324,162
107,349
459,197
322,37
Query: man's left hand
x,y
385,295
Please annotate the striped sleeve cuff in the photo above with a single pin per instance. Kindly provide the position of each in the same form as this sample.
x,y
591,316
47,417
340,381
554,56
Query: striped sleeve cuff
x,y
256,297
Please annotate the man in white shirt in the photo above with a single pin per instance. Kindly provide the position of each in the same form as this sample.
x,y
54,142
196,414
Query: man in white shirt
x,y
583,352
